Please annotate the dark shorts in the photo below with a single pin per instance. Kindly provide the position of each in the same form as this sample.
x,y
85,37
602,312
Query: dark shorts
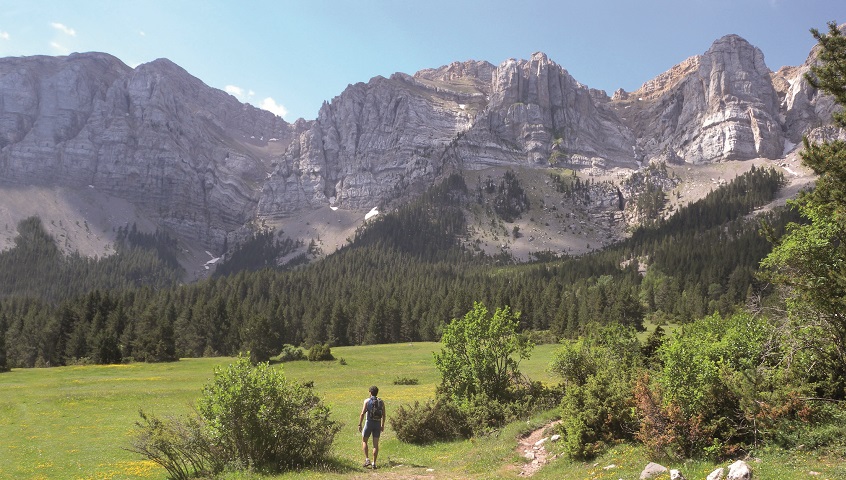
x,y
372,427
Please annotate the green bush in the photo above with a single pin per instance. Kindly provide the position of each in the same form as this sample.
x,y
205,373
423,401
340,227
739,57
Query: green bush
x,y
481,354
250,417
180,447
291,353
597,414
435,420
597,408
720,389
260,419
320,353
405,381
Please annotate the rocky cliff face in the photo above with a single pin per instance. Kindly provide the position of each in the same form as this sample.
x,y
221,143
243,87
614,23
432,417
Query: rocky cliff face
x,y
717,106
203,164
191,156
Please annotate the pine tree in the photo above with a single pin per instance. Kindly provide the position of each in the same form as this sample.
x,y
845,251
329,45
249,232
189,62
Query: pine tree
x,y
810,260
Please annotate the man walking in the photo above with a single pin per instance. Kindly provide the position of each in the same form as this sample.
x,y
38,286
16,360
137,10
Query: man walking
x,y
374,410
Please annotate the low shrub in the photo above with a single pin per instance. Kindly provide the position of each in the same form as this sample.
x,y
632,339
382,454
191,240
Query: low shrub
x,y
320,353
180,447
406,381
435,420
597,407
291,353
249,417
263,420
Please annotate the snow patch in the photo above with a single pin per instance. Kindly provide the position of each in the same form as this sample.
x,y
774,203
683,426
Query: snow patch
x,y
462,106
333,208
211,262
372,213
790,171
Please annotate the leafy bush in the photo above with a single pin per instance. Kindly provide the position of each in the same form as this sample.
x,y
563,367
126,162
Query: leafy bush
x,y
180,447
259,418
716,391
291,353
597,405
319,353
405,381
597,414
481,354
435,420
248,416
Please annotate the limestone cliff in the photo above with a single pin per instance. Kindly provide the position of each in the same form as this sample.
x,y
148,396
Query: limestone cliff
x,y
193,157
203,165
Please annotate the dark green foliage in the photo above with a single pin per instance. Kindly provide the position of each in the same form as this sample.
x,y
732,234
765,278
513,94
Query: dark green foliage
x,y
406,381
809,261
598,372
320,353
4,365
739,197
262,250
36,268
509,199
829,74
428,228
164,246
259,338
432,421
399,284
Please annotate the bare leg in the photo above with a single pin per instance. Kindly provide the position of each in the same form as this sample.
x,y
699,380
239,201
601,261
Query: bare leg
x,y
364,447
375,449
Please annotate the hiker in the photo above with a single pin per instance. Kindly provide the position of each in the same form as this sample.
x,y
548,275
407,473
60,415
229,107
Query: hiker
x,y
374,409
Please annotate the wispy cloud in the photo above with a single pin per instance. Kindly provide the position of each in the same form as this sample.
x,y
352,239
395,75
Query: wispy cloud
x,y
246,95
4,35
270,105
63,28
59,48
238,92
142,33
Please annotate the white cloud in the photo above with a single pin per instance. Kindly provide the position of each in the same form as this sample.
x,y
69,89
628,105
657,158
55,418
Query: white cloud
x,y
59,48
251,93
142,33
270,105
64,29
4,35
238,92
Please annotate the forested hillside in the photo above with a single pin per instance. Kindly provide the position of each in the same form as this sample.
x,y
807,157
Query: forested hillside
x,y
402,279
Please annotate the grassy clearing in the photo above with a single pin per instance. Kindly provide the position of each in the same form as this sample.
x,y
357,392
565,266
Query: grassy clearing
x,y
73,422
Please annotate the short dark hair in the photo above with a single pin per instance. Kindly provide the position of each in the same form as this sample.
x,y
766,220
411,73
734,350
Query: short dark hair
x,y
374,390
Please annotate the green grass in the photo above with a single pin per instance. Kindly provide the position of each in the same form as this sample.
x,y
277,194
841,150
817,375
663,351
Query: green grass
x,y
74,422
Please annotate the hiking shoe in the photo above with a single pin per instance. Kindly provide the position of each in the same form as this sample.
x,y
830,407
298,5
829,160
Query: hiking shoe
x,y
366,463
373,466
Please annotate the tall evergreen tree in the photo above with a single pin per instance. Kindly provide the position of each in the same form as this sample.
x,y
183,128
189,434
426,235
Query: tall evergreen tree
x,y
810,260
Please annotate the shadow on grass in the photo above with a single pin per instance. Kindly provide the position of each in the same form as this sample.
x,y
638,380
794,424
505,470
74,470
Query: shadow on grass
x,y
337,465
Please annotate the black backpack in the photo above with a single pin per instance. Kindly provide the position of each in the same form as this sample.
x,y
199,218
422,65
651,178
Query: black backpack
x,y
375,408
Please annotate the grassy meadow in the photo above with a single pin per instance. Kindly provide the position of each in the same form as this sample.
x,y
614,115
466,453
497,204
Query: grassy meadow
x,y
74,422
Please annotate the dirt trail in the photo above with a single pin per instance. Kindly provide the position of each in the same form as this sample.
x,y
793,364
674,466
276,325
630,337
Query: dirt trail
x,y
532,448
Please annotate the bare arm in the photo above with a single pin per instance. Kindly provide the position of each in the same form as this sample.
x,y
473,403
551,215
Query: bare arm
x,y
361,416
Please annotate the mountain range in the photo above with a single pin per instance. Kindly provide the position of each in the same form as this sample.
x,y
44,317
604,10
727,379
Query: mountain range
x,y
91,144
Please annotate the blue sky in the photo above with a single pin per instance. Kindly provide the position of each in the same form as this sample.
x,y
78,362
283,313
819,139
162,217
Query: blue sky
x,y
291,56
